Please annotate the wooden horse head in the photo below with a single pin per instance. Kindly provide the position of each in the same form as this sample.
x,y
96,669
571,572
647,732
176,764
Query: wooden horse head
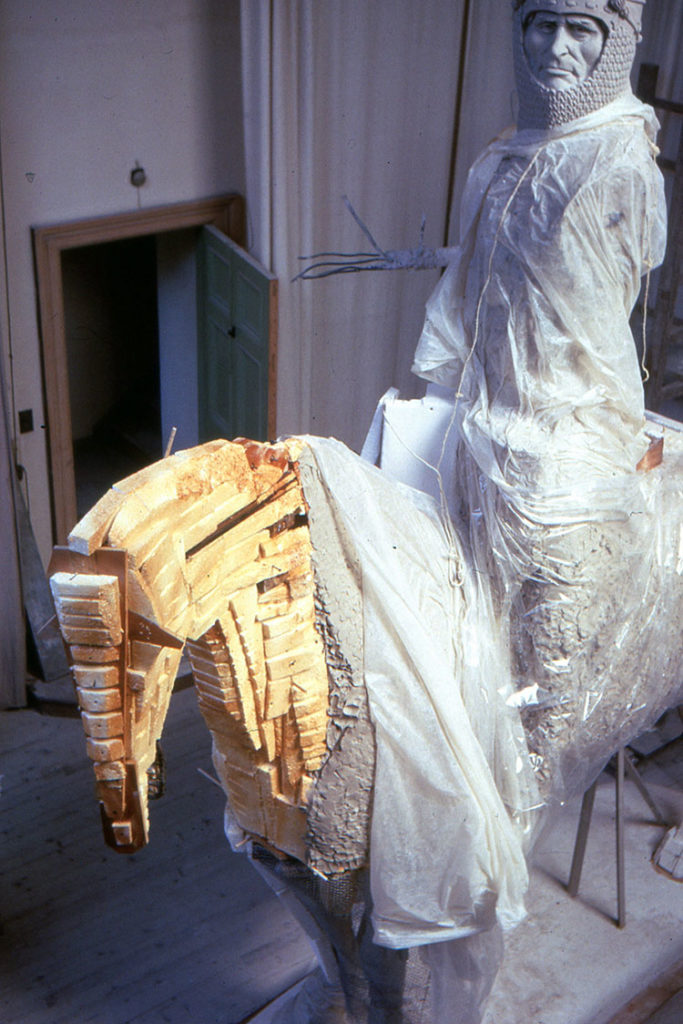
x,y
208,551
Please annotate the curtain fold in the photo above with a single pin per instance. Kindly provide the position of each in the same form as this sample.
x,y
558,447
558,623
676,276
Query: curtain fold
x,y
346,98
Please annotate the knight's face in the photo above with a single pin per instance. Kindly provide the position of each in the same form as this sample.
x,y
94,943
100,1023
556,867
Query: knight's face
x,y
562,49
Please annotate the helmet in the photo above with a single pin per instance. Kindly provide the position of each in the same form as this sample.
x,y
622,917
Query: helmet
x,y
544,107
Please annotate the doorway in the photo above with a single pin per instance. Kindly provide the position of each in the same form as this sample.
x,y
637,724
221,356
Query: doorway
x,y
112,343
52,245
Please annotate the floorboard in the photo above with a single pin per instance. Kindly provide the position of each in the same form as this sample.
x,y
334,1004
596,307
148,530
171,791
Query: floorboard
x,y
184,930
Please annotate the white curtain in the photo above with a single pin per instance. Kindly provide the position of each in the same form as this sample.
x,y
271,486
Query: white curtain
x,y
488,95
347,97
662,44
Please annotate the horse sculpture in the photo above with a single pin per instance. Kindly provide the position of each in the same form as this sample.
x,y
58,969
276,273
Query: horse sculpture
x,y
210,551
207,550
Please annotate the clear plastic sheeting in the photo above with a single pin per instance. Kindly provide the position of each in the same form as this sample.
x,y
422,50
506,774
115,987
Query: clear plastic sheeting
x,y
593,628
360,981
453,785
522,579
530,331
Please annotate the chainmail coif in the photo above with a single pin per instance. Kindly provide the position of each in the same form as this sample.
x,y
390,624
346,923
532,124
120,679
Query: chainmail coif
x,y
541,107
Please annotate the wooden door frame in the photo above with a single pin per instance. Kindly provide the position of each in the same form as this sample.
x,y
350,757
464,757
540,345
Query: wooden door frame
x,y
226,212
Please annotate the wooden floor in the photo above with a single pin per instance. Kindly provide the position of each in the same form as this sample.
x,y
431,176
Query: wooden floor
x,y
184,931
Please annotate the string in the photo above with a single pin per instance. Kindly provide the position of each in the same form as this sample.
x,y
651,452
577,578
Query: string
x,y
454,573
654,149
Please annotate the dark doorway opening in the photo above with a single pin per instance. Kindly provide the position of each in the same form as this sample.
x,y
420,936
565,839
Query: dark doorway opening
x,y
112,341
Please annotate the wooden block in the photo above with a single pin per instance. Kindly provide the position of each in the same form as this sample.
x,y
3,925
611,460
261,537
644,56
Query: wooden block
x,y
145,544
156,685
79,606
668,857
278,731
223,564
200,470
288,564
91,531
206,611
292,765
123,832
220,722
130,527
186,454
286,542
302,585
298,611
143,655
285,642
243,609
158,492
99,700
110,793
137,480
180,620
255,523
94,655
222,704
244,795
102,628
268,781
143,600
267,733
136,680
164,569
305,790
286,827
311,684
80,584
173,611
110,771
293,662
240,675
104,750
203,665
96,678
236,751
277,698
201,518
104,726
92,637
273,602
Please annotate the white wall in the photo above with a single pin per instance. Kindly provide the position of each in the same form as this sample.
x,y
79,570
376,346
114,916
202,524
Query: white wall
x,y
88,88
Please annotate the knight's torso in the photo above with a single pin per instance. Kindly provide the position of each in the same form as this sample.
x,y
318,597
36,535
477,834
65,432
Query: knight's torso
x,y
550,274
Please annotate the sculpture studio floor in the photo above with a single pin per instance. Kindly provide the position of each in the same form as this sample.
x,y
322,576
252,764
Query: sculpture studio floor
x,y
187,931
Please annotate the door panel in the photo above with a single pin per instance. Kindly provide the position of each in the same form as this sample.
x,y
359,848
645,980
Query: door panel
x,y
237,301
248,396
213,406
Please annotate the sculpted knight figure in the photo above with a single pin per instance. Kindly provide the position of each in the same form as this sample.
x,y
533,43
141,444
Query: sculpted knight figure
x,y
530,326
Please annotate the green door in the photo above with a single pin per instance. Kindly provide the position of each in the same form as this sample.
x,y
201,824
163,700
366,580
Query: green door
x,y
237,312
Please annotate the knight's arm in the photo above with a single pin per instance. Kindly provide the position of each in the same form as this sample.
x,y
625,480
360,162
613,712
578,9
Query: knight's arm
x,y
421,257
